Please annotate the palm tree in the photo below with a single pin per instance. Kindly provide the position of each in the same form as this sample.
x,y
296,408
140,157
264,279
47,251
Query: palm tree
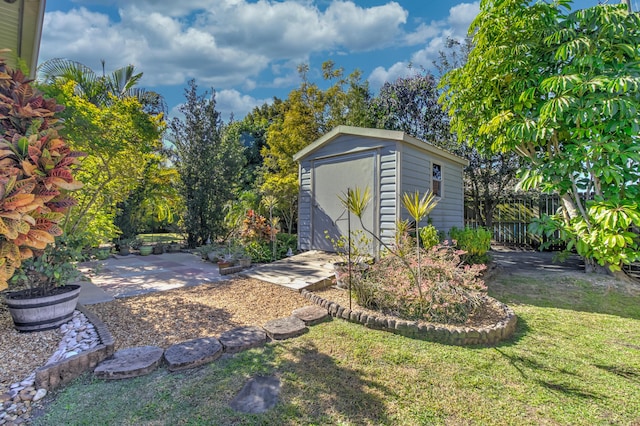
x,y
98,89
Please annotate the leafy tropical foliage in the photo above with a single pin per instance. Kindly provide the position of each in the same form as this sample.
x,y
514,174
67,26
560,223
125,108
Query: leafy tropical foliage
x,y
35,172
101,89
119,139
562,89
209,162
303,117
155,204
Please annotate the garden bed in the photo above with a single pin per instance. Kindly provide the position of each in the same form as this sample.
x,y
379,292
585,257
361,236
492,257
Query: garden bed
x,y
169,317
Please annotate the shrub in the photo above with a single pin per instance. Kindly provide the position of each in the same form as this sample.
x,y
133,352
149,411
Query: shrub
x,y
260,251
358,249
450,291
35,172
476,242
256,227
429,236
284,243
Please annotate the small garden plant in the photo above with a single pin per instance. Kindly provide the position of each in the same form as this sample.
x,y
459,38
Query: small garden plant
x,y
414,282
476,242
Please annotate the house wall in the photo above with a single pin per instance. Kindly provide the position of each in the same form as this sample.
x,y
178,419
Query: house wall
x,y
416,174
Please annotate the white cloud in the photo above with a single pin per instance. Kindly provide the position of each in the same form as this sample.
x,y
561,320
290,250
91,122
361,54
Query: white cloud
x,y
380,75
423,33
228,102
233,102
434,37
461,16
222,43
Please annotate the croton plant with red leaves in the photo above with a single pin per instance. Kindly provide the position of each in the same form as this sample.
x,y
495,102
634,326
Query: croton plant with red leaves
x,y
35,171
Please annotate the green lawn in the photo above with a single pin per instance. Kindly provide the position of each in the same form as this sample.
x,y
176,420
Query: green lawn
x,y
575,359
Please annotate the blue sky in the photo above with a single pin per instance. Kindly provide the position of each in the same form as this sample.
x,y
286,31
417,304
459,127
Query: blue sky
x,y
248,50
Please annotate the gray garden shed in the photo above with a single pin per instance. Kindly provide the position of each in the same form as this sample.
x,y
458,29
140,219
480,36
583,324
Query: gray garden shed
x,y
389,163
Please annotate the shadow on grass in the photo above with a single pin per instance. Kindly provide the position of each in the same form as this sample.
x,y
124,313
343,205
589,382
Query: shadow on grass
x,y
528,368
575,291
316,388
522,329
628,373
568,390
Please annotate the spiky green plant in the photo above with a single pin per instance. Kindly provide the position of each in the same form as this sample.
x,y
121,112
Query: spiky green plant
x,y
418,208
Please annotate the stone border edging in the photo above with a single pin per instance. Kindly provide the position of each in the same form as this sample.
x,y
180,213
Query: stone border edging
x,y
459,336
53,375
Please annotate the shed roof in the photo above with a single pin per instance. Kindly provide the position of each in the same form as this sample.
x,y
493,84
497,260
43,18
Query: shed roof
x,y
392,135
21,29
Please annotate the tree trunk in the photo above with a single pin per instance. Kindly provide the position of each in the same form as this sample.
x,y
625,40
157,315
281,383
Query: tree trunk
x,y
569,206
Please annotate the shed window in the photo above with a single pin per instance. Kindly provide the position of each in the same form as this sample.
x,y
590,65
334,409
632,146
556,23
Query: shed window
x,y
436,180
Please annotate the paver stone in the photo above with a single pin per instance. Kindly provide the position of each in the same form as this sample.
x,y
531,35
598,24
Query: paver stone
x,y
130,362
192,353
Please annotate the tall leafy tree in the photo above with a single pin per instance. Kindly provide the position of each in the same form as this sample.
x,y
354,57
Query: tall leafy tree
x,y
410,104
209,162
490,177
252,132
308,113
118,139
101,89
562,89
118,125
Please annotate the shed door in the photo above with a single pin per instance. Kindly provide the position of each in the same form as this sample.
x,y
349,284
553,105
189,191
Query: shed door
x,y
332,177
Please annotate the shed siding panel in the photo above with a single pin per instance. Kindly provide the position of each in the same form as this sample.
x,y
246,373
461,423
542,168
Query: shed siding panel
x,y
304,207
416,175
388,193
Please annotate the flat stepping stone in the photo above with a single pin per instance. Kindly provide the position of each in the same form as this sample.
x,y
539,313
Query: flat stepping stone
x,y
243,338
258,395
311,315
192,353
285,328
130,362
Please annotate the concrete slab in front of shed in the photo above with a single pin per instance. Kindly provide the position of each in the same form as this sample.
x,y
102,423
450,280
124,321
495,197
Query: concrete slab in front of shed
x,y
309,270
243,338
130,362
192,353
285,328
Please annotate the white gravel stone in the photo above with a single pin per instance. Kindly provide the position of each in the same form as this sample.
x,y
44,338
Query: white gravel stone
x,y
78,335
41,393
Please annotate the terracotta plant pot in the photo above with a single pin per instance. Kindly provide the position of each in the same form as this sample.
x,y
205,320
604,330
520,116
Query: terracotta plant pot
x,y
37,313
224,264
